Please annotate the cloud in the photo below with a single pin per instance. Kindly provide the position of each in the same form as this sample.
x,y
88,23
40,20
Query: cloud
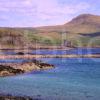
x,y
42,10
4,18
51,10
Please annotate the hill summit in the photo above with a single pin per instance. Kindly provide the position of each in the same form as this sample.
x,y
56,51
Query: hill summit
x,y
84,23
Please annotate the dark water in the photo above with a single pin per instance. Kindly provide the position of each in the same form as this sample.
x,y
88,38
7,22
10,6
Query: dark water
x,y
72,79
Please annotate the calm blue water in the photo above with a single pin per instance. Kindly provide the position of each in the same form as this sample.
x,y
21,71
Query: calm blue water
x,y
72,79
72,51
13,60
56,52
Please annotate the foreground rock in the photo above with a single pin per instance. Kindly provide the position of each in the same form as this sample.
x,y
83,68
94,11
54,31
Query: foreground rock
x,y
10,97
8,69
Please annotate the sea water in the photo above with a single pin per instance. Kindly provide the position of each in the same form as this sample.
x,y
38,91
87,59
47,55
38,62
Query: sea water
x,y
71,79
77,51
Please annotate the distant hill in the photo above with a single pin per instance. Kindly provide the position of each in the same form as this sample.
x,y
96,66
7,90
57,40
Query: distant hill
x,y
80,31
84,28
82,23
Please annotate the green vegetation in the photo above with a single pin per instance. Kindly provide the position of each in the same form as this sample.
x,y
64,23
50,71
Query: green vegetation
x,y
13,38
79,32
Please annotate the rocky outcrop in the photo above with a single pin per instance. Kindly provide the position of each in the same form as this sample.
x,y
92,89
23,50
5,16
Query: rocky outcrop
x,y
10,97
19,53
8,69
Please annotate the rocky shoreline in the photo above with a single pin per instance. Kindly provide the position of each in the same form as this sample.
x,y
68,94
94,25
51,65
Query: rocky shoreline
x,y
10,97
30,64
27,56
9,69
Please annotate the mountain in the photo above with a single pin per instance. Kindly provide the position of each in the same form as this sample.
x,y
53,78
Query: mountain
x,y
83,30
82,23
80,30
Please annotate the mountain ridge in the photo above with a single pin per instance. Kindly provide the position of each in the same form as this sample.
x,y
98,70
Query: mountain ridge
x,y
85,21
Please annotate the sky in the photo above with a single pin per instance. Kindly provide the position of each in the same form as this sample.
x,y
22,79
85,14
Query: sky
x,y
33,13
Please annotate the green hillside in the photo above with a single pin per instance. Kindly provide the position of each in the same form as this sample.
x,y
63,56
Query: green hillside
x,y
83,30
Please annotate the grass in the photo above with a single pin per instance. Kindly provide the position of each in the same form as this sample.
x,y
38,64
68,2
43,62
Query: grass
x,y
54,38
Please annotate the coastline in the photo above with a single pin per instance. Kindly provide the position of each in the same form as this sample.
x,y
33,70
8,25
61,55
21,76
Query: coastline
x,y
12,69
37,48
11,97
28,56
31,64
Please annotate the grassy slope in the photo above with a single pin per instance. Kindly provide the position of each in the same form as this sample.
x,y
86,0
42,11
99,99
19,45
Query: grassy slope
x,y
73,31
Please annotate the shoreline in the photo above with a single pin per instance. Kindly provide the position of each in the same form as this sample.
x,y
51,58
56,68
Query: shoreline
x,y
45,47
38,47
28,56
31,64
12,97
27,50
4,96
